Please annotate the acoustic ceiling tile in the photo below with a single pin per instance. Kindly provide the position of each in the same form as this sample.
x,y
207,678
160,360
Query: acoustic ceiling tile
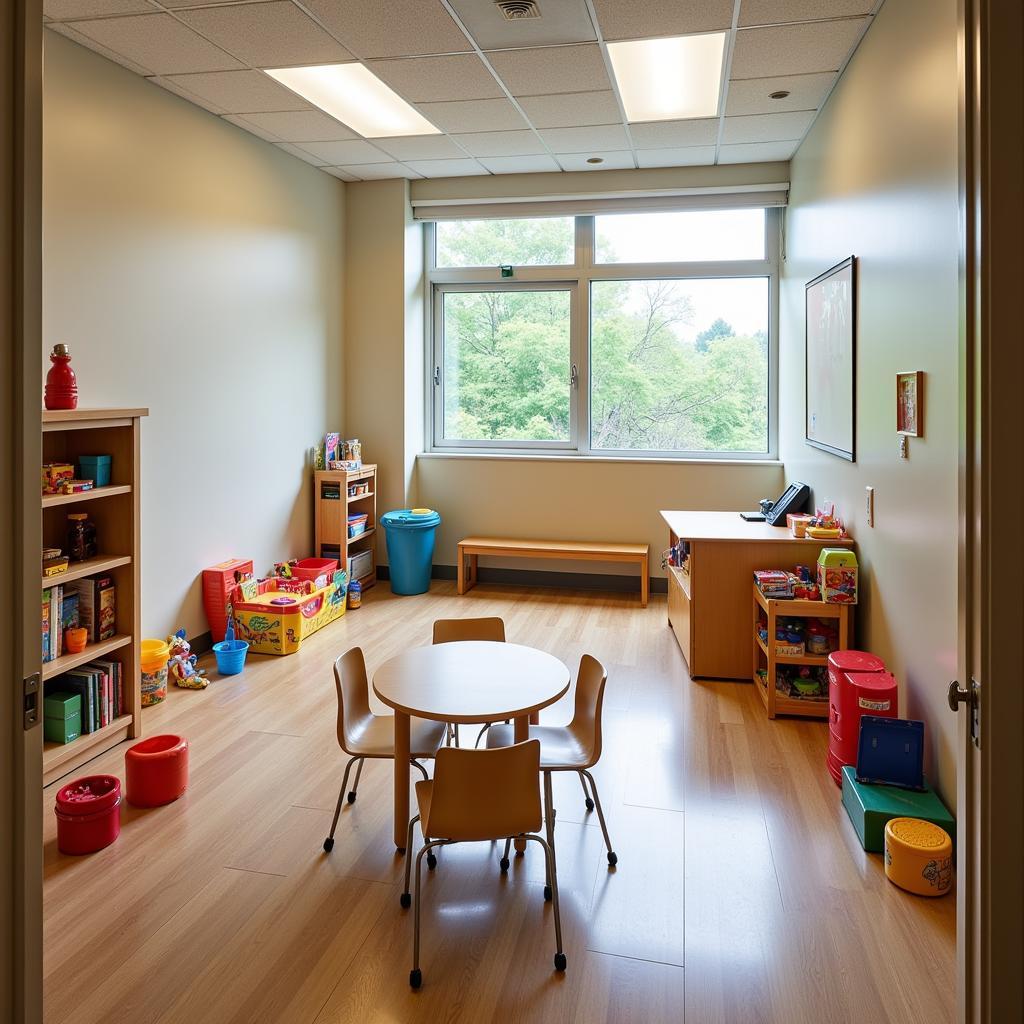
x,y
675,134
766,127
570,109
199,101
241,122
608,161
341,154
386,170
751,95
551,69
767,12
157,42
267,35
561,21
794,49
519,164
199,3
301,126
446,168
340,172
302,154
642,19
752,153
685,156
608,138
523,143
472,115
64,10
239,92
460,76
391,28
421,147
69,32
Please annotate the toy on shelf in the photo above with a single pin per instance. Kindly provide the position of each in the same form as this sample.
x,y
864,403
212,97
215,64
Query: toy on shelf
x,y
61,383
54,562
181,665
825,524
837,575
81,537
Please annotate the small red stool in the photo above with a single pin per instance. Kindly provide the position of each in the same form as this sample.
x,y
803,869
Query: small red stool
x,y
857,685
156,770
88,814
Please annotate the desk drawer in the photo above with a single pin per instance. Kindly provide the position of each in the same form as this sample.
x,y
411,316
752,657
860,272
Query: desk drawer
x,y
679,610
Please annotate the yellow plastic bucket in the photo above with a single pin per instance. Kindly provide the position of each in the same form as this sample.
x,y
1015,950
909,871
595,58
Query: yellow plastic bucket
x,y
153,662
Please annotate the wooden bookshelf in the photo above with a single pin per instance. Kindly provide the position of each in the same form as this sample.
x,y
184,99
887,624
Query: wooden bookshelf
x,y
114,509
330,518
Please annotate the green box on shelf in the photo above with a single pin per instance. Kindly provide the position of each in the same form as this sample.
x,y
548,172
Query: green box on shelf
x,y
62,717
871,807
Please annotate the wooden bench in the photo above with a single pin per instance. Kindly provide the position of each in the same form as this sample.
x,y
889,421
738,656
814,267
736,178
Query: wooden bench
x,y
471,548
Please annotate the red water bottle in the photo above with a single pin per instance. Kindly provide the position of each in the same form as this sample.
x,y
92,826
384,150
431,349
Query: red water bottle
x,y
61,383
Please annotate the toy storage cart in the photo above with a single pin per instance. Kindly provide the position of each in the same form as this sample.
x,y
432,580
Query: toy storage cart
x,y
338,495
765,655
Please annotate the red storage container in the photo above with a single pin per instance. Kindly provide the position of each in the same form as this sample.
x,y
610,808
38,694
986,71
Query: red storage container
x,y
857,685
218,582
311,568
88,814
156,770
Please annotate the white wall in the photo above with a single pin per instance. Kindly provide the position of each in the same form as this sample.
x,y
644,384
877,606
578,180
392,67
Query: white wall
x,y
196,270
877,178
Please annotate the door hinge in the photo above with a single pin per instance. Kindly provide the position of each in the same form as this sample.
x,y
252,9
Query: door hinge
x,y
30,691
574,376
437,376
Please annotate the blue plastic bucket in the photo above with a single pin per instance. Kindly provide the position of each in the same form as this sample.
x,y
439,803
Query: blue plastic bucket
x,y
230,656
410,536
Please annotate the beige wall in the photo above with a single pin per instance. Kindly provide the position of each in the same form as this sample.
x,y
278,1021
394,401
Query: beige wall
x,y
196,270
877,178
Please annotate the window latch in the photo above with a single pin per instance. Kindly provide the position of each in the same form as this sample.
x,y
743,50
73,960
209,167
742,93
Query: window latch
x,y
574,377
437,376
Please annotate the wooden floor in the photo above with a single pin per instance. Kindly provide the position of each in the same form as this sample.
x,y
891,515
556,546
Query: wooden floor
x,y
223,908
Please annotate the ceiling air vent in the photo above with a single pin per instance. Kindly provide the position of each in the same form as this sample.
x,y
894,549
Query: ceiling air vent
x,y
517,10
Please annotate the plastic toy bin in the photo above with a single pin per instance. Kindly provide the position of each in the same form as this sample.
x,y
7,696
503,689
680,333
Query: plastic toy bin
x,y
218,583
282,613
88,814
156,770
153,663
311,568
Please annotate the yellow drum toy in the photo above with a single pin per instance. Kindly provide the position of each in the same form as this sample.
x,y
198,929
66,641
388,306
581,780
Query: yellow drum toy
x,y
918,856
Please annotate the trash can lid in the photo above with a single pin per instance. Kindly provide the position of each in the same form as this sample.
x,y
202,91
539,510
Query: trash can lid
x,y
410,519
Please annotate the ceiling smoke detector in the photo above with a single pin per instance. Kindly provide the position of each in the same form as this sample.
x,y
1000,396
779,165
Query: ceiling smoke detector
x,y
517,10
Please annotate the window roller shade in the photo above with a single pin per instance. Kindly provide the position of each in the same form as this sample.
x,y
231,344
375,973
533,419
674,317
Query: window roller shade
x,y
761,196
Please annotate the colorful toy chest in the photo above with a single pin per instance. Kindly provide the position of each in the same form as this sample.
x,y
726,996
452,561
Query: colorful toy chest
x,y
837,575
218,583
282,613
918,857
88,814
872,807
849,700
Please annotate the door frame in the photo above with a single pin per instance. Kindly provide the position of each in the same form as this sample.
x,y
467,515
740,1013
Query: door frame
x,y
990,826
21,881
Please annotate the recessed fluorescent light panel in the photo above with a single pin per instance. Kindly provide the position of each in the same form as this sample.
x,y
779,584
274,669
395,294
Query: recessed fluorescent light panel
x,y
356,97
669,79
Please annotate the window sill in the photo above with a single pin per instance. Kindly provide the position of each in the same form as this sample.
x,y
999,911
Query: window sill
x,y
584,459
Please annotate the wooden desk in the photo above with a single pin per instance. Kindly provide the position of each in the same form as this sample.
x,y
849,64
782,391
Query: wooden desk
x,y
709,605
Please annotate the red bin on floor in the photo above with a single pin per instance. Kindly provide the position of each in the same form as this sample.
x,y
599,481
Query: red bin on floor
x,y
857,685
88,814
156,770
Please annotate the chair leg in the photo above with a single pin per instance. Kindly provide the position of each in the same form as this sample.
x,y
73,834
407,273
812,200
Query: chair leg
x,y
613,857
405,899
355,785
549,824
504,862
482,733
549,854
416,764
329,841
415,976
586,793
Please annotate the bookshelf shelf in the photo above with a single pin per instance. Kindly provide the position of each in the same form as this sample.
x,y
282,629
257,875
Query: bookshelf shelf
x,y
115,511
331,522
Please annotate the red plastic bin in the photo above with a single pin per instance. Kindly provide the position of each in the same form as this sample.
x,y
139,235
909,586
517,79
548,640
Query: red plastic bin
x,y
156,770
88,814
218,582
857,685
311,568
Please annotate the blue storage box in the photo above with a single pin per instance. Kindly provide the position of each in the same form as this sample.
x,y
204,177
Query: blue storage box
x,y
95,468
891,752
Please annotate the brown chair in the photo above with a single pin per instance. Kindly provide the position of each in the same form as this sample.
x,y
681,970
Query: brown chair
x,y
362,734
575,747
448,631
480,796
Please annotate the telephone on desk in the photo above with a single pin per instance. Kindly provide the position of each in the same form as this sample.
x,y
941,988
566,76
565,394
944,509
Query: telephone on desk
x,y
793,500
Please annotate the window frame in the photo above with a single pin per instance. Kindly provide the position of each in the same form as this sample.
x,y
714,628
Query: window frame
x,y
578,277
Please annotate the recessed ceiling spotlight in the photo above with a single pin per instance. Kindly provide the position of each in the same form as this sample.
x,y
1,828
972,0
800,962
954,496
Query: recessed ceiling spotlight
x,y
780,94
669,79
595,159
357,97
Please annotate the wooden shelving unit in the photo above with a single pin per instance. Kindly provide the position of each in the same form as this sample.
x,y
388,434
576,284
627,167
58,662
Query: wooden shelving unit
x,y
330,517
764,653
115,511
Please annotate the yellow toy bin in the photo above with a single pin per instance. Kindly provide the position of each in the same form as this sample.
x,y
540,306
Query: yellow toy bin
x,y
276,615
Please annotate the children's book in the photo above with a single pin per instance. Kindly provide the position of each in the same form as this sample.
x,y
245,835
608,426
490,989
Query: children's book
x,y
47,628
80,681
69,613
97,606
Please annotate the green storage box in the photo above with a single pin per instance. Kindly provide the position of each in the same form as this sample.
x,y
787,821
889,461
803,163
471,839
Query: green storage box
x,y
871,807
62,717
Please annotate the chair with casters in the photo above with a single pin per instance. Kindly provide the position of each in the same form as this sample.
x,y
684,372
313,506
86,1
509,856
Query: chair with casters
x,y
480,796
362,734
575,747
448,631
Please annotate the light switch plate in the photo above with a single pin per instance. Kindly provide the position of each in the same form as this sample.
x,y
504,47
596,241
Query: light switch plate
x,y
869,504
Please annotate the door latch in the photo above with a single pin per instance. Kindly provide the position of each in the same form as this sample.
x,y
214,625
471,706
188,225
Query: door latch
x,y
574,376
957,695
30,691
437,376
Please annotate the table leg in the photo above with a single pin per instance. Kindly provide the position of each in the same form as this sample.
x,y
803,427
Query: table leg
x,y
645,582
461,569
402,741
521,732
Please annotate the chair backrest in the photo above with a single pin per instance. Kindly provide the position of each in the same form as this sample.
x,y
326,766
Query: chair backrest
x,y
485,794
353,697
586,720
447,631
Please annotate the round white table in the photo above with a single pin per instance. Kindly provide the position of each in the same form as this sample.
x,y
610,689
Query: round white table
x,y
466,682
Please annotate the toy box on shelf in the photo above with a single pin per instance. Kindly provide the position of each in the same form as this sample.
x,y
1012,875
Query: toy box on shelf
x,y
275,615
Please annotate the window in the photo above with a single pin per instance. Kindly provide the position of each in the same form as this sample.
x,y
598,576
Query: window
x,y
631,334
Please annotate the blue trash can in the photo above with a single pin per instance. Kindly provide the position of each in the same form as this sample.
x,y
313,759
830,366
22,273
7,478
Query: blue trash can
x,y
410,537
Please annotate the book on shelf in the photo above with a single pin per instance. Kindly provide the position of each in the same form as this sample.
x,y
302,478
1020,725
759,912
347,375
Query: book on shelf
x,y
97,606
100,684
52,622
